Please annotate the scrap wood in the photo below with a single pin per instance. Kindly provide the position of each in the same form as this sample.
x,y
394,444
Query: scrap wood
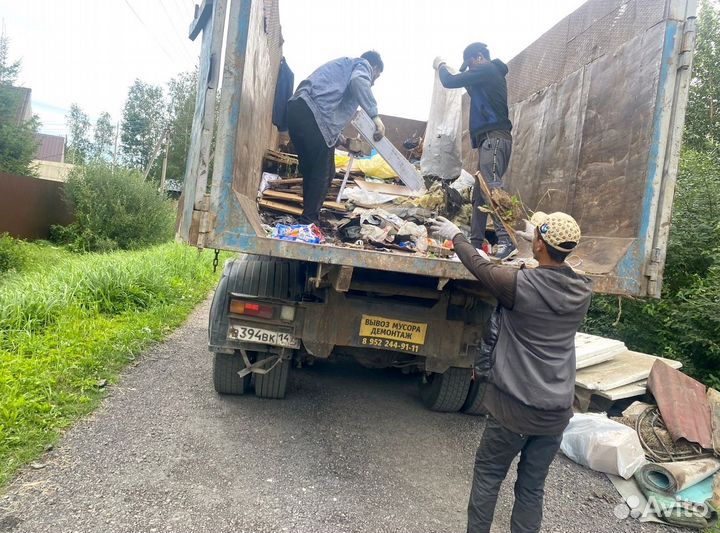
x,y
386,188
297,199
281,207
682,403
281,157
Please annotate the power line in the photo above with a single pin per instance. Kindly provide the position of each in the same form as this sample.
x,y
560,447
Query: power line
x,y
171,58
175,28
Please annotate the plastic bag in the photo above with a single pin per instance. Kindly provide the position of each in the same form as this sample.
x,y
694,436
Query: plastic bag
x,y
309,233
374,167
442,148
365,198
595,441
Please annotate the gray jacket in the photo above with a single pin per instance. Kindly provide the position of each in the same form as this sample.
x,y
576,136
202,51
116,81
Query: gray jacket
x,y
333,93
534,356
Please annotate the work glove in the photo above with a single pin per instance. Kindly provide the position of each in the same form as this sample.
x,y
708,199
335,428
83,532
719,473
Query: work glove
x,y
438,62
529,232
443,228
379,128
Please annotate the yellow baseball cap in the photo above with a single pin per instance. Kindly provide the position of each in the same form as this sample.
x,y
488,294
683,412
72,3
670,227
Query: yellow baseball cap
x,y
558,230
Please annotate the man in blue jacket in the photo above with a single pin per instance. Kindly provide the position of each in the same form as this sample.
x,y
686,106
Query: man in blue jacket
x,y
317,113
529,350
490,128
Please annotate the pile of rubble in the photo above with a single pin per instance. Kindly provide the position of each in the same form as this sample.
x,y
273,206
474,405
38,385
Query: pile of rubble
x,y
661,451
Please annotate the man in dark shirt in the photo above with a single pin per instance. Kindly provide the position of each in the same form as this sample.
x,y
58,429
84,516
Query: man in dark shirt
x,y
490,128
531,355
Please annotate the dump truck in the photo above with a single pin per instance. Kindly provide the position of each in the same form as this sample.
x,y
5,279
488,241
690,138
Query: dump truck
x,y
597,105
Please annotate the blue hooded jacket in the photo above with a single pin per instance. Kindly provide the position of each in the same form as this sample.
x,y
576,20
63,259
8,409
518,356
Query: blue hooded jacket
x,y
487,88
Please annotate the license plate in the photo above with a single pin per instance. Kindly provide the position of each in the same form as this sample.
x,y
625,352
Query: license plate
x,y
263,336
381,332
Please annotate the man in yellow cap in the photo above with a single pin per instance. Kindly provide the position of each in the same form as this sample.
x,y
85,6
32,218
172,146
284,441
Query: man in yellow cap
x,y
527,363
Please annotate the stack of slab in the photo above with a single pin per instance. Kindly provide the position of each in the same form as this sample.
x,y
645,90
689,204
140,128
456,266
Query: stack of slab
x,y
608,370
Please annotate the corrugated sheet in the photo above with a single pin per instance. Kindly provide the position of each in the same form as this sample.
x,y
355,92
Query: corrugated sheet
x,y
683,404
50,148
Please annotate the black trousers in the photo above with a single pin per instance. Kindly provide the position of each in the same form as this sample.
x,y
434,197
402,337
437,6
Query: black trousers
x,y
498,447
315,160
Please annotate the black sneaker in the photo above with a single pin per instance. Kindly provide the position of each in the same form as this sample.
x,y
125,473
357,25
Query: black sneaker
x,y
505,251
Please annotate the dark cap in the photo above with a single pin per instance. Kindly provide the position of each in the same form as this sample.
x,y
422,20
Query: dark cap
x,y
472,51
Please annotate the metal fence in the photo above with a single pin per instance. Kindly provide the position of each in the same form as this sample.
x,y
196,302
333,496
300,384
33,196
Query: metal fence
x,y
29,206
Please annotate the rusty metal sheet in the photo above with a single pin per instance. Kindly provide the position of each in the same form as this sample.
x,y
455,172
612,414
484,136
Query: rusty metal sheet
x,y
683,404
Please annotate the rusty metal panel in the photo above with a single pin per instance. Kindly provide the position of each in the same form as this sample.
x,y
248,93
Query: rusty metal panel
x,y
51,147
597,105
683,404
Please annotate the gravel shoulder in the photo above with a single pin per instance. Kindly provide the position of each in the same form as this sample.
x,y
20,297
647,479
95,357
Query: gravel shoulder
x,y
350,449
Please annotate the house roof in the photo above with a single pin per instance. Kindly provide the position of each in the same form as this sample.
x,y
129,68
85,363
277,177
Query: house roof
x,y
50,147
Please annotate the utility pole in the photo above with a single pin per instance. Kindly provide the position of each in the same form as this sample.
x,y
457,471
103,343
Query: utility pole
x,y
164,166
156,151
117,134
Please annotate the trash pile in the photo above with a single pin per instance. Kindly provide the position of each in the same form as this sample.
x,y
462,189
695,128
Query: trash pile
x,y
371,209
662,453
367,206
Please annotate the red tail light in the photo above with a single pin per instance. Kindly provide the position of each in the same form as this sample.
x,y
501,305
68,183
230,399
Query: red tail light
x,y
252,309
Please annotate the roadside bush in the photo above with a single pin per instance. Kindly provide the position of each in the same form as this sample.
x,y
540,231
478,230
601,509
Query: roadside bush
x,y
115,209
11,256
685,323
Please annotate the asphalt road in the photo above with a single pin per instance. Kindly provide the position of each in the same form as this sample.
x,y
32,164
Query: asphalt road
x,y
350,449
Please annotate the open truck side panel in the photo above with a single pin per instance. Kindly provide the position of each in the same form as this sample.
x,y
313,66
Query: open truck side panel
x,y
597,104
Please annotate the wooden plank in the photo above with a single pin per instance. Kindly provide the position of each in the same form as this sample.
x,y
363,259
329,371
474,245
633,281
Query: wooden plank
x,y
279,206
625,368
297,199
626,391
405,171
202,14
591,349
386,188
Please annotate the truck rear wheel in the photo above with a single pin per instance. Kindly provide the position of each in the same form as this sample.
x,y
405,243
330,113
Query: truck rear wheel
x,y
225,377
473,404
445,392
274,383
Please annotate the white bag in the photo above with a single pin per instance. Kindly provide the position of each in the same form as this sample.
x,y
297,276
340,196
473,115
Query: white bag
x,y
442,147
595,441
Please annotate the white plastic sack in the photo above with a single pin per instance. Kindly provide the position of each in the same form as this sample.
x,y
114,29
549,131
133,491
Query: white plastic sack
x,y
442,147
595,441
464,182
365,198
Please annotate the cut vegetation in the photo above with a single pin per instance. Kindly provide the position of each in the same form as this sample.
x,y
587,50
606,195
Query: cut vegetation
x,y
69,323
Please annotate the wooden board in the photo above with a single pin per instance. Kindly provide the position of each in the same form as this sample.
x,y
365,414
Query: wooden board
x,y
281,207
626,391
297,199
386,188
592,350
625,368
405,171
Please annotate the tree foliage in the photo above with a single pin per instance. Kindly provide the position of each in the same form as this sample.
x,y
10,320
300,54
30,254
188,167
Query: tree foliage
x,y
103,136
78,142
143,123
17,137
702,124
182,92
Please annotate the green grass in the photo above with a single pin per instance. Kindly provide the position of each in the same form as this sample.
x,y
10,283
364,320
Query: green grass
x,y
68,322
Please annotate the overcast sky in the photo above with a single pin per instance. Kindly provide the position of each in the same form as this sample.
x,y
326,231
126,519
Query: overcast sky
x,y
90,51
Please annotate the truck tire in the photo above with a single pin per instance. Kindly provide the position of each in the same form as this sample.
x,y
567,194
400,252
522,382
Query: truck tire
x,y
446,392
225,377
273,384
473,404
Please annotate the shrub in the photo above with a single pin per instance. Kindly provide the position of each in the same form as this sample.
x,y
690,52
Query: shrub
x,y
115,209
685,323
11,255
